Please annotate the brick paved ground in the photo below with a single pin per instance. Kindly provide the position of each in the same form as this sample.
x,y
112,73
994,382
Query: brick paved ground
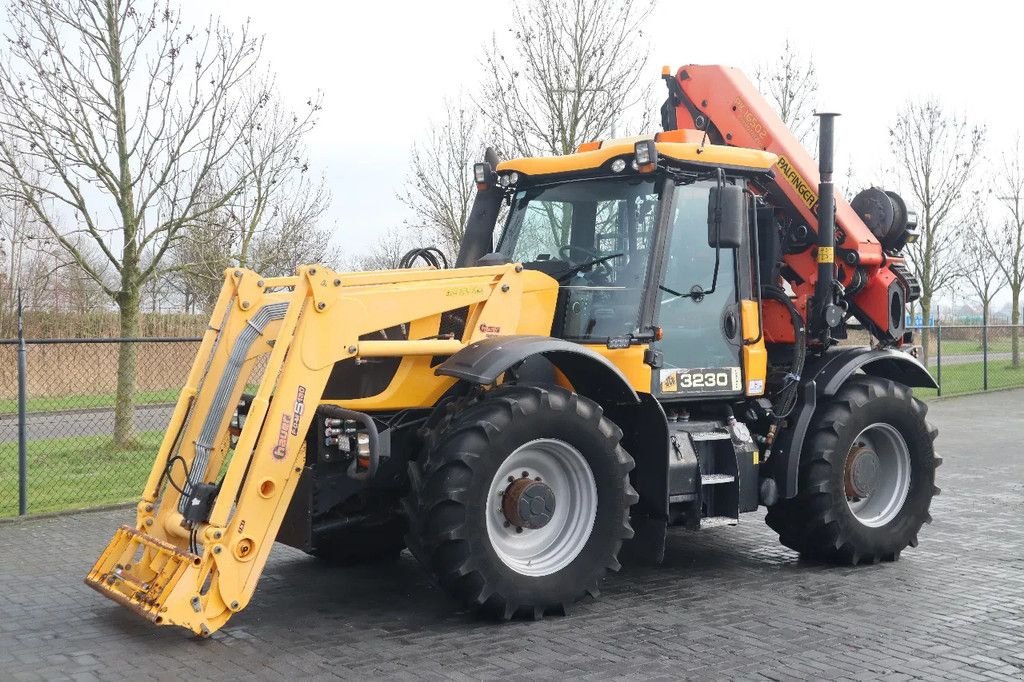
x,y
728,603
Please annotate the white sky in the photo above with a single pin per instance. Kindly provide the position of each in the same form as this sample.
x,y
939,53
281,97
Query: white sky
x,y
385,66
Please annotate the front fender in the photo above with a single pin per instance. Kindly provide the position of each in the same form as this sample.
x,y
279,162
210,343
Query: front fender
x,y
590,374
821,379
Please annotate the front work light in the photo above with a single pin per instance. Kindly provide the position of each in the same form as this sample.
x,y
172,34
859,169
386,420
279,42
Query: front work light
x,y
508,179
483,175
646,156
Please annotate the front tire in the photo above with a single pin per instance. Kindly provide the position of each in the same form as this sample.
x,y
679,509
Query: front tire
x,y
520,503
867,476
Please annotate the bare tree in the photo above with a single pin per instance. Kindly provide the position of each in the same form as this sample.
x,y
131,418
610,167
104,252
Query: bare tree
x,y
568,72
272,227
979,267
937,152
1008,245
439,189
790,82
18,234
128,115
383,254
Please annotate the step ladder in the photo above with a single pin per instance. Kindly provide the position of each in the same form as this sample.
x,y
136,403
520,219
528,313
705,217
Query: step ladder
x,y
719,488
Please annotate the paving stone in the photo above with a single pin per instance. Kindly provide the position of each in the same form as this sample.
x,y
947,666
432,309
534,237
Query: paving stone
x,y
728,603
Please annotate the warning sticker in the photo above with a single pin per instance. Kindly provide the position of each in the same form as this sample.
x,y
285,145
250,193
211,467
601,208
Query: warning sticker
x,y
807,195
826,254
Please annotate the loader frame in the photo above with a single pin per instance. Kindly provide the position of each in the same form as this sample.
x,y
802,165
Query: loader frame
x,y
180,566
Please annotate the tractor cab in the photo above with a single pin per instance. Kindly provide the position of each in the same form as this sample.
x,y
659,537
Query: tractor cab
x,y
644,237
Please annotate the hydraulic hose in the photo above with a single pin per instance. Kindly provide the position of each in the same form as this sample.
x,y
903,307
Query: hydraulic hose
x,y
785,399
431,255
219,406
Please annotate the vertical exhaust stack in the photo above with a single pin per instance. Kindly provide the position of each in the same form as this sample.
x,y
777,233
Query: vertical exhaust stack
x,y
825,314
478,235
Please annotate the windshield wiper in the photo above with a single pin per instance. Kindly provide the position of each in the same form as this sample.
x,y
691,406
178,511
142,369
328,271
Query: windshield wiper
x,y
589,263
697,292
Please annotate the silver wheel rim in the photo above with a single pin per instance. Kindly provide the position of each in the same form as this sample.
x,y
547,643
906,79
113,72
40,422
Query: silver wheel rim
x,y
546,550
892,481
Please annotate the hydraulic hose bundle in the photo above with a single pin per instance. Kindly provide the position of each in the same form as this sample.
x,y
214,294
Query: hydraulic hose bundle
x,y
786,398
431,255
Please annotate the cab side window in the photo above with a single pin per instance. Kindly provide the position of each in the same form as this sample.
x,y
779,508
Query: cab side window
x,y
691,315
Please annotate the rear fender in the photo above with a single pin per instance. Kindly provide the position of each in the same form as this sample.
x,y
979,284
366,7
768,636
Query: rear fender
x,y
822,379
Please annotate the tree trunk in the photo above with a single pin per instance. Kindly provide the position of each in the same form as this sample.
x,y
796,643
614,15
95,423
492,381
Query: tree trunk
x,y
124,406
1015,329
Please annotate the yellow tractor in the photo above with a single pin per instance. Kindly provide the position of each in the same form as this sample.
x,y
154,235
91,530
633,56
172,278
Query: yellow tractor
x,y
651,342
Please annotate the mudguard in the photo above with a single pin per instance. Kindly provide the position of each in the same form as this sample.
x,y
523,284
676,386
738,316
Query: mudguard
x,y
590,374
822,378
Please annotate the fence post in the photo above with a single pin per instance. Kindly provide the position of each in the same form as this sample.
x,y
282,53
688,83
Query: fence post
x,y
984,349
22,428
938,355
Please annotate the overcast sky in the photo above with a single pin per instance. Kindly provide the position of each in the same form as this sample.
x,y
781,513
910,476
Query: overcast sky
x,y
384,67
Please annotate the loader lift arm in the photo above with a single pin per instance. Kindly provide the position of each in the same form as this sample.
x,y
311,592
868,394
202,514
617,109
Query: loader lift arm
x,y
723,103
199,544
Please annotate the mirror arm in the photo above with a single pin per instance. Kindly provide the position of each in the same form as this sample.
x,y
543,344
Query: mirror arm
x,y
720,183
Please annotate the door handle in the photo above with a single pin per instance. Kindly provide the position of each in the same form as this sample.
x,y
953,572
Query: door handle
x,y
731,324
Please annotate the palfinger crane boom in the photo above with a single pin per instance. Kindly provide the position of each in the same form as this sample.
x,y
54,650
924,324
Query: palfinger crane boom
x,y
723,103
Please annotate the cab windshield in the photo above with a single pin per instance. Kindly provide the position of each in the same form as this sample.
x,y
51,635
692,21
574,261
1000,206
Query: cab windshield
x,y
594,237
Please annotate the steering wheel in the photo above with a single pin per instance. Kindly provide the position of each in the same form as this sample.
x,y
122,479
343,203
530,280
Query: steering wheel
x,y
566,252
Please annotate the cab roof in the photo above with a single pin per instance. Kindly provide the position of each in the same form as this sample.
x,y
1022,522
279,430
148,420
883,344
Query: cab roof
x,y
685,147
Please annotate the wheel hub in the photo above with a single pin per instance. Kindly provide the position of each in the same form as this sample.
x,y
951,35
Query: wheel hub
x,y
528,503
524,490
862,467
877,475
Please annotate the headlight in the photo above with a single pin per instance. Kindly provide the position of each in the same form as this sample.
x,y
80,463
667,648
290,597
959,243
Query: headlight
x,y
618,165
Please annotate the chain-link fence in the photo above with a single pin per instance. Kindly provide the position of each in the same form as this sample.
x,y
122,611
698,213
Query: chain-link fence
x,y
71,459
71,456
968,358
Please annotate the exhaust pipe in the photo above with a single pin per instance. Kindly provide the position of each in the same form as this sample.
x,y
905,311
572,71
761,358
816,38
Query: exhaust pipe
x,y
825,313
477,237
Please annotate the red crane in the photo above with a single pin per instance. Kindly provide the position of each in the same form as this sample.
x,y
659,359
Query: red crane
x,y
875,285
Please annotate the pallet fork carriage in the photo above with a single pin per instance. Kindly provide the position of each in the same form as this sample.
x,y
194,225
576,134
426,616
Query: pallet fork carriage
x,y
305,324
651,343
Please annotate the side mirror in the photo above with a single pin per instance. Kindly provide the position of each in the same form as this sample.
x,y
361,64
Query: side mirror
x,y
727,217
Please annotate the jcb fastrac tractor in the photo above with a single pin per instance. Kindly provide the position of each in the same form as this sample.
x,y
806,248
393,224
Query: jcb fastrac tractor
x,y
651,342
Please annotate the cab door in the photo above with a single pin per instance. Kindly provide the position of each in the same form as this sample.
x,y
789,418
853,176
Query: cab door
x,y
697,310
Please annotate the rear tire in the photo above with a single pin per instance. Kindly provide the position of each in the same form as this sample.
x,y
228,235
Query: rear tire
x,y
867,476
473,467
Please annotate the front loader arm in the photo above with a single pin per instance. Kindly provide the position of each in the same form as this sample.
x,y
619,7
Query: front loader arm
x,y
188,564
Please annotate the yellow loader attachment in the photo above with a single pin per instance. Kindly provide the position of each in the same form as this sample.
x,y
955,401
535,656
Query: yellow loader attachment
x,y
211,508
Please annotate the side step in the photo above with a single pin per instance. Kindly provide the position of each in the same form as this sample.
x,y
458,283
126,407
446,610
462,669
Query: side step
x,y
715,521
